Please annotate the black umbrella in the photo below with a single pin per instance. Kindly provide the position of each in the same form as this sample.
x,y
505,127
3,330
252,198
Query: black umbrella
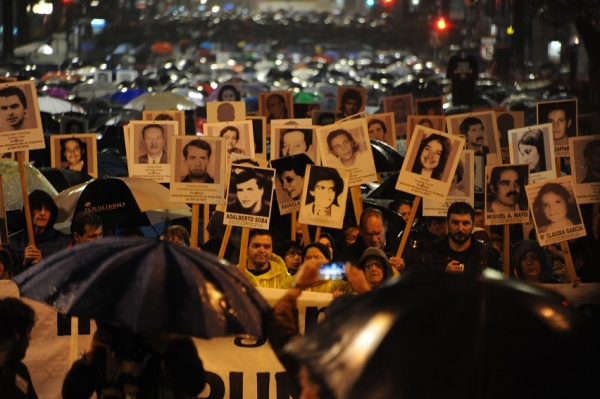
x,y
387,159
61,179
387,190
445,336
148,286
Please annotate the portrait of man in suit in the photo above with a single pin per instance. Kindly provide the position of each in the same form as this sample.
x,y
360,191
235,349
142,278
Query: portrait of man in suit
x,y
153,137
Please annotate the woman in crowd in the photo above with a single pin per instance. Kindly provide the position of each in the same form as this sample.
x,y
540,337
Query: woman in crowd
x,y
529,262
291,253
320,252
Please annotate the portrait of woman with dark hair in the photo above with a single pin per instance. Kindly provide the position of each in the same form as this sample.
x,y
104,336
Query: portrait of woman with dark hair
x,y
531,150
73,154
554,208
324,187
432,156
229,93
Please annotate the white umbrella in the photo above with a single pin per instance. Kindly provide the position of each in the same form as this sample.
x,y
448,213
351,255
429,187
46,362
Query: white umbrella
x,y
53,105
160,100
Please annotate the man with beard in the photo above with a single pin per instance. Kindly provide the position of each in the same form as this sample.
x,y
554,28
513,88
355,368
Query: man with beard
x,y
458,251
474,132
197,156
16,321
505,188
263,268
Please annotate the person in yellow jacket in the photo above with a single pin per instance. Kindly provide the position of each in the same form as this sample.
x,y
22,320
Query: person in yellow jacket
x,y
320,252
263,267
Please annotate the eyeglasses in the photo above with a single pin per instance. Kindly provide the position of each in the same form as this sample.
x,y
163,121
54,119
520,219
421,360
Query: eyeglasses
x,y
373,264
530,258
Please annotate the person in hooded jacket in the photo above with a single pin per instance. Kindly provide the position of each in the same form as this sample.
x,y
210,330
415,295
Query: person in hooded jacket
x,y
48,240
529,262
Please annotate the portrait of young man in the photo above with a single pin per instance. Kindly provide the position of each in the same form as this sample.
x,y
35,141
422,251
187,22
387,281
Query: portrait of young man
x,y
16,110
351,101
563,117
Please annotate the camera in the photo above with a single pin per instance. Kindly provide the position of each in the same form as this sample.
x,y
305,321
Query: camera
x,y
332,271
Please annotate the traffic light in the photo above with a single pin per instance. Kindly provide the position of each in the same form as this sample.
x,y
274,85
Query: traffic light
x,y
441,24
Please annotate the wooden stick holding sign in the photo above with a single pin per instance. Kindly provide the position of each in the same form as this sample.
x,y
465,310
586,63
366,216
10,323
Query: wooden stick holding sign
x,y
195,223
409,223
564,245
225,241
357,203
205,220
26,207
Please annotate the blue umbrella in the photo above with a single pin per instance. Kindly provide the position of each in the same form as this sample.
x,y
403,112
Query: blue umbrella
x,y
126,95
148,285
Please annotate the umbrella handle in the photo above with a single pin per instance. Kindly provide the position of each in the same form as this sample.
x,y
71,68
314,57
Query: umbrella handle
x,y
26,208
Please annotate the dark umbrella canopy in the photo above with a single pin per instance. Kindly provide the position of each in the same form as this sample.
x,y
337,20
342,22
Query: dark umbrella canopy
x,y
446,336
387,159
61,178
148,286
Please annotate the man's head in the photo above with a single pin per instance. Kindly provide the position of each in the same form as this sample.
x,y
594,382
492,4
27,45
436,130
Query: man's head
x,y
232,134
295,141
377,129
43,210
154,139
372,228
560,123
474,131
13,107
291,176
436,225
197,155
324,186
506,184
260,248
86,227
376,266
17,321
225,112
350,235
460,222
250,188
591,154
402,207
351,102
342,144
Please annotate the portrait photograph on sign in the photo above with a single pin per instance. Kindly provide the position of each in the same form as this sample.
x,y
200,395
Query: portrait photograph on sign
x,y
225,111
73,124
167,115
148,152
249,197
533,145
20,121
238,159
346,145
323,118
289,181
306,110
461,188
402,107
480,132
324,197
585,168
102,76
76,152
350,101
555,211
430,163
196,176
562,116
436,122
505,121
506,199
276,105
239,135
430,106
229,92
381,127
259,131
296,121
293,140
